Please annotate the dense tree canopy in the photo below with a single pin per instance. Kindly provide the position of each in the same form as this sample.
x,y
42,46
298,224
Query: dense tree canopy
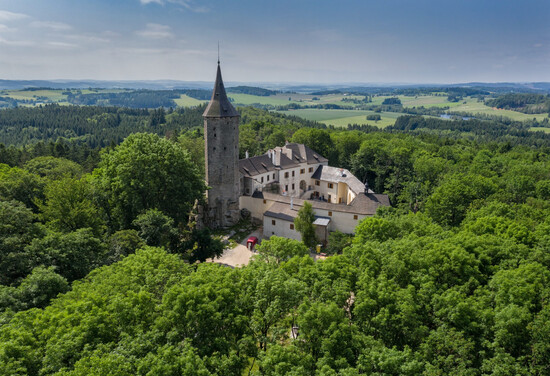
x,y
454,278
146,171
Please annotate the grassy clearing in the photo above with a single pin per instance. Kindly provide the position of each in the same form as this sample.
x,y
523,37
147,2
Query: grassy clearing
x,y
473,107
341,118
540,129
290,98
50,95
186,101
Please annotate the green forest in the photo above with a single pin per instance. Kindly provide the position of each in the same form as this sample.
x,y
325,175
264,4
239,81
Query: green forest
x,y
104,273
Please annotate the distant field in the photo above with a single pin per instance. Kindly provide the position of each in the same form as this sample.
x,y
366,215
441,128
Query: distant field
x,y
341,118
545,130
473,106
289,98
416,101
51,95
186,101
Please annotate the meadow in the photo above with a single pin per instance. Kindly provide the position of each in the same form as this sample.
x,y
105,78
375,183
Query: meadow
x,y
335,117
341,118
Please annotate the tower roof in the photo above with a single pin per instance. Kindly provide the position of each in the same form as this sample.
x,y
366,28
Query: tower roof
x,y
219,105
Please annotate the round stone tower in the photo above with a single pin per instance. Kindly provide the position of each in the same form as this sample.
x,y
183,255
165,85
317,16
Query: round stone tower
x,y
221,151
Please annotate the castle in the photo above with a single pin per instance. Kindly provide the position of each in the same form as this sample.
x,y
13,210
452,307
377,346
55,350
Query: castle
x,y
272,187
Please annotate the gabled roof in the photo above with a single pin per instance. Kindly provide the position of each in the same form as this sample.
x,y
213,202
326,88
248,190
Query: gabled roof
x,y
301,153
337,175
219,105
256,165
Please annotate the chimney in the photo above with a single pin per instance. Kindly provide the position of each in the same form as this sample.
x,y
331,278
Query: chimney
x,y
341,172
273,160
246,154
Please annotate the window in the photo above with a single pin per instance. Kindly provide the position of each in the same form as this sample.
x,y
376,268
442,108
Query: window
x,y
330,214
330,185
329,197
286,188
273,176
262,179
339,200
292,186
310,169
292,173
267,177
292,226
273,222
303,170
317,182
265,201
286,174
355,216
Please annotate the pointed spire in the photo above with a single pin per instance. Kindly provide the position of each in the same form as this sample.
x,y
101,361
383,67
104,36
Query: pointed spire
x,y
219,105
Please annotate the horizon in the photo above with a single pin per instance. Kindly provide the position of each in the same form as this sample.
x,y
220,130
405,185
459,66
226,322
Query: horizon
x,y
391,43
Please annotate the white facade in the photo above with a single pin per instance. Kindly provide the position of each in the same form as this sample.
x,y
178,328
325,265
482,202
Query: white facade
x,y
280,227
301,175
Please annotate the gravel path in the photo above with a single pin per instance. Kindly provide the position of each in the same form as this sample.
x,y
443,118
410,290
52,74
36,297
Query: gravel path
x,y
238,256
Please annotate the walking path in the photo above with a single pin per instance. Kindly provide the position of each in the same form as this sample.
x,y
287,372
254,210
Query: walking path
x,y
238,256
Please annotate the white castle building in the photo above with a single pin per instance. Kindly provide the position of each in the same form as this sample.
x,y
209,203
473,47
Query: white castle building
x,y
275,185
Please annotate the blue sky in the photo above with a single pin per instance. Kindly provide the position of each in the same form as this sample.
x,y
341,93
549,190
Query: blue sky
x,y
323,41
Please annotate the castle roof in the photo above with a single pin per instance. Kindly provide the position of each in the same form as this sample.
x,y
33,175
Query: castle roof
x,y
219,105
256,165
339,175
301,153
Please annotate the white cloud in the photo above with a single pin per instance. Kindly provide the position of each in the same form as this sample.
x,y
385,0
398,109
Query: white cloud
x,y
57,26
11,16
156,31
16,43
61,45
4,28
187,4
